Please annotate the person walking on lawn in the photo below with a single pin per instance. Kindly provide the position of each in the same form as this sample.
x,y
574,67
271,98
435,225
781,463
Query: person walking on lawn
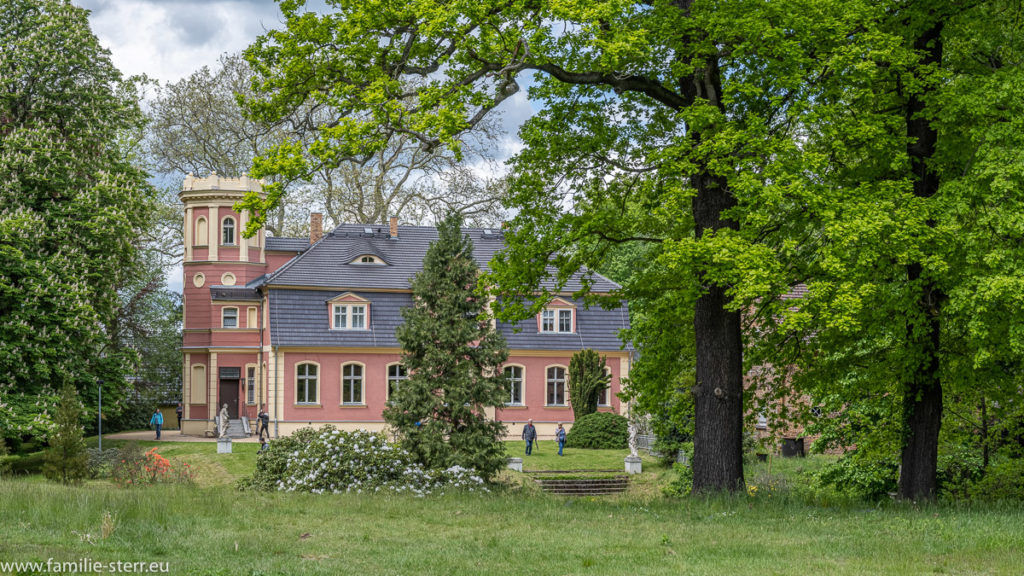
x,y
530,435
157,420
560,436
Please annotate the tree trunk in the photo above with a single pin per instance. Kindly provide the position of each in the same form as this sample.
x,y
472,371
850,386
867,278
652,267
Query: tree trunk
x,y
922,396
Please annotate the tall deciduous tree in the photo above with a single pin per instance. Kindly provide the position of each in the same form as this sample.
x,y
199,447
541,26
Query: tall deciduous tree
x,y
71,207
662,122
453,356
915,236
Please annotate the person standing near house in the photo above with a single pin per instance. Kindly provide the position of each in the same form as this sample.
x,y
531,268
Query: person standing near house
x,y
177,412
157,420
560,436
530,435
264,424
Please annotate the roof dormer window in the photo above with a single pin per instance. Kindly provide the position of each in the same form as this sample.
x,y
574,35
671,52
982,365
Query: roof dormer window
x,y
349,312
559,317
369,259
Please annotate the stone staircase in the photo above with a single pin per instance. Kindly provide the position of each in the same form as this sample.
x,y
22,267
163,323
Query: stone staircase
x,y
236,429
581,482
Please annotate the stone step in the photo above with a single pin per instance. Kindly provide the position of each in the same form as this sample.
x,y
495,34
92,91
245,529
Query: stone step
x,y
584,486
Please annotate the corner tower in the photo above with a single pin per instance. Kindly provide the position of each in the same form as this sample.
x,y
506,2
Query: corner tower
x,y
222,331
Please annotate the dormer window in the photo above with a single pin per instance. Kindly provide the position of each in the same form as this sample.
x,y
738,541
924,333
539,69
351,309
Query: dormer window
x,y
228,231
558,318
349,312
369,259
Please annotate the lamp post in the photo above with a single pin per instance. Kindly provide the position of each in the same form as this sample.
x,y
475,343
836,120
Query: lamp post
x,y
99,415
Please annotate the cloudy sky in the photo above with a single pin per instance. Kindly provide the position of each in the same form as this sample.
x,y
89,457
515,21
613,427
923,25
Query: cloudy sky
x,y
169,39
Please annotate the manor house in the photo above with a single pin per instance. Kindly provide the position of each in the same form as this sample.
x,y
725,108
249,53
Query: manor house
x,y
306,326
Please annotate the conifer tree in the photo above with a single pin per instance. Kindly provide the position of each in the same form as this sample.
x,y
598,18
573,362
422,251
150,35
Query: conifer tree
x,y
66,460
453,356
587,380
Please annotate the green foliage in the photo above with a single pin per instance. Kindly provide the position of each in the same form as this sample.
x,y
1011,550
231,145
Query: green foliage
x,y
587,380
453,356
66,460
1003,481
682,481
958,470
71,206
5,465
861,476
135,469
605,430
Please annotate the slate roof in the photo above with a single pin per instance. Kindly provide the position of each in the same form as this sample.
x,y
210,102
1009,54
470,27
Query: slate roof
x,y
300,318
328,264
234,293
287,244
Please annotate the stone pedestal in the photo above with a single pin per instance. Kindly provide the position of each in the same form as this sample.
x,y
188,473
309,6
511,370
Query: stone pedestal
x,y
515,464
634,465
224,446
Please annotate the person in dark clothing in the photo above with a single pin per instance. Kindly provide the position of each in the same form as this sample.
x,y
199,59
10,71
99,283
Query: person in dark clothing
x,y
178,412
264,425
530,435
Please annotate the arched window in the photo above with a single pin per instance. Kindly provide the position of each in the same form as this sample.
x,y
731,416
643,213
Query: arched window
x,y
228,231
306,383
396,374
352,384
514,376
202,232
556,386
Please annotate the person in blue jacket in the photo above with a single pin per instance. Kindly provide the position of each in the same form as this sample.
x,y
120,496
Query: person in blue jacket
x,y
560,436
157,420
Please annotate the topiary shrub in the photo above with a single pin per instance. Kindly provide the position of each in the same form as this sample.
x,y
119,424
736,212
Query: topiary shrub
x,y
65,460
329,460
599,430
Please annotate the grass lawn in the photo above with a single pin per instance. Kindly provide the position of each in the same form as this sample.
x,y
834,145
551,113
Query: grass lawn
x,y
545,457
209,528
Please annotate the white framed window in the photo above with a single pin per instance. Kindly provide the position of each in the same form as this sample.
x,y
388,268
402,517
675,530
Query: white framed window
x,y
558,320
396,374
514,376
352,384
228,231
229,318
307,383
369,259
250,385
556,386
349,316
605,399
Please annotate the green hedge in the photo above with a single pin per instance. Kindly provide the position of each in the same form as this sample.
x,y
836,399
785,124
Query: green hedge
x,y
599,430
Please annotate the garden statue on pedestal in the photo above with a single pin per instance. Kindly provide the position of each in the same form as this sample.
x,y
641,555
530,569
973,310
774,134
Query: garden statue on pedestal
x,y
223,431
633,462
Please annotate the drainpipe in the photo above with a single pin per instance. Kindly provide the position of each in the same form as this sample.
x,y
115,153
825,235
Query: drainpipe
x,y
277,420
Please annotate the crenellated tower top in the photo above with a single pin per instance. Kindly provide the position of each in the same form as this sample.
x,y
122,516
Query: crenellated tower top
x,y
216,182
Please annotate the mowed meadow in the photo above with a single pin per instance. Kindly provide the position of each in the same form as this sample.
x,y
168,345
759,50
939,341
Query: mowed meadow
x,y
211,528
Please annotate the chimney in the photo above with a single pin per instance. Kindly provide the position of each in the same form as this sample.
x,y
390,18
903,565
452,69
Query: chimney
x,y
316,227
393,225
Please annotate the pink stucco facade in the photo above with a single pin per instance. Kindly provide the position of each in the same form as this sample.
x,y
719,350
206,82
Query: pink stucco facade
x,y
233,357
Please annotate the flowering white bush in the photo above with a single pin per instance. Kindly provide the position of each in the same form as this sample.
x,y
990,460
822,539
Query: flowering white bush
x,y
329,460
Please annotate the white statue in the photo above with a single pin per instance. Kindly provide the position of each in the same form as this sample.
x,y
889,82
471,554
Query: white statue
x,y
224,422
632,437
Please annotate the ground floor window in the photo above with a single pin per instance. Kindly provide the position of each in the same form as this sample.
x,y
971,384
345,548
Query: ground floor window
x,y
556,386
396,374
351,384
306,383
514,376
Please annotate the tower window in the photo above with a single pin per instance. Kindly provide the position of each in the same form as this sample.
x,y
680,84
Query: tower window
x,y
228,229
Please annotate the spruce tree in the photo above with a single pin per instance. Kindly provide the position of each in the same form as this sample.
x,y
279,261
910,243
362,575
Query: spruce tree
x,y
453,356
587,380
66,460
